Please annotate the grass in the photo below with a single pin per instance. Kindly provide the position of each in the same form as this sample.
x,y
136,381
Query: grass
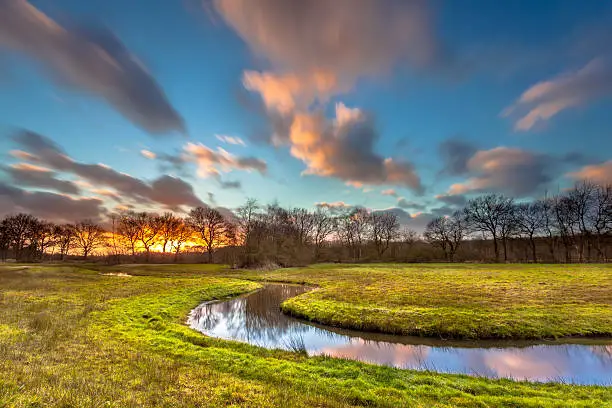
x,y
457,301
72,336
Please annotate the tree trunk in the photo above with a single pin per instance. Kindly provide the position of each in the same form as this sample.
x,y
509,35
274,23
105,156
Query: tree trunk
x,y
533,249
496,248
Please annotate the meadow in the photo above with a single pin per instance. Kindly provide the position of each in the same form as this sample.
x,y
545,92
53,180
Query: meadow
x,y
116,336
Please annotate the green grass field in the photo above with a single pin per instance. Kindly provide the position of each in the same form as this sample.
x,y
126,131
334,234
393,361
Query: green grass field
x,y
458,301
73,336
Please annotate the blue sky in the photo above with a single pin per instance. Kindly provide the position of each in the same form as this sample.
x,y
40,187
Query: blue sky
x,y
424,85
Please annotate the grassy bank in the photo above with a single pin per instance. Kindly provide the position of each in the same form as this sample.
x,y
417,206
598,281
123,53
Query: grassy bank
x,y
459,301
75,337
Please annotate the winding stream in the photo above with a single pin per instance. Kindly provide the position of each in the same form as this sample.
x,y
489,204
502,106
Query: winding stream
x,y
256,319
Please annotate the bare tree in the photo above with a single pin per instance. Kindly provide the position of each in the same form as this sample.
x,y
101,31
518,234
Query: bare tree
x,y
353,229
304,224
169,224
408,237
446,233
531,221
565,222
5,241
600,217
88,236
149,227
64,238
129,229
179,236
384,229
323,226
211,227
580,202
490,214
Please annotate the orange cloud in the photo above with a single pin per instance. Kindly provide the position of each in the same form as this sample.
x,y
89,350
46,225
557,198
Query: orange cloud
x,y
30,167
148,154
319,50
211,162
599,173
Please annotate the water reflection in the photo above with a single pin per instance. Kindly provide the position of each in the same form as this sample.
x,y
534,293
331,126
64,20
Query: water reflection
x,y
256,319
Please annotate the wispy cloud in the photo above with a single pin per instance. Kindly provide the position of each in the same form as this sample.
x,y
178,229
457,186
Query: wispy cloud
x,y
92,60
233,140
547,99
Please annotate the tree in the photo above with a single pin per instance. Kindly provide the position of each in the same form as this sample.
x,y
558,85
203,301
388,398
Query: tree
x,y
5,241
64,238
129,228
408,237
42,238
490,214
322,227
211,226
181,234
88,236
565,222
169,225
303,221
531,220
446,233
19,230
600,217
384,229
580,202
148,229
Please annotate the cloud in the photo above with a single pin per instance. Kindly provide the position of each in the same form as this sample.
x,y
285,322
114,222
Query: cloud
x,y
91,60
105,192
343,149
333,205
230,185
47,205
211,162
233,140
515,171
173,193
317,50
546,99
598,173
455,154
389,192
452,200
165,190
29,175
343,39
403,203
148,154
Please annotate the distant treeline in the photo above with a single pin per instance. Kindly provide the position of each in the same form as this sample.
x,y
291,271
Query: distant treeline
x,y
575,226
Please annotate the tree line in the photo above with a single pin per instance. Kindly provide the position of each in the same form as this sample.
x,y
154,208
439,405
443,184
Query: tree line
x,y
573,226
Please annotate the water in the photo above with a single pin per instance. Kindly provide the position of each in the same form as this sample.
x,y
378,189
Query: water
x,y
256,319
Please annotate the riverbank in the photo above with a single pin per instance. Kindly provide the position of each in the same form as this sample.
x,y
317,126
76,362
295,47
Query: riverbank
x,y
71,336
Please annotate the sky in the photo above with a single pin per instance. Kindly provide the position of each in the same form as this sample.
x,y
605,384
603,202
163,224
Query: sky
x,y
413,106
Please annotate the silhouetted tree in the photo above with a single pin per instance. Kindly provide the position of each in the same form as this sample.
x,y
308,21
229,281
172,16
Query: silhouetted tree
x,y
64,238
490,214
211,227
88,236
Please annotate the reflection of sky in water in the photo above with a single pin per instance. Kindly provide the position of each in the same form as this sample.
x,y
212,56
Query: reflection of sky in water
x,y
257,319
